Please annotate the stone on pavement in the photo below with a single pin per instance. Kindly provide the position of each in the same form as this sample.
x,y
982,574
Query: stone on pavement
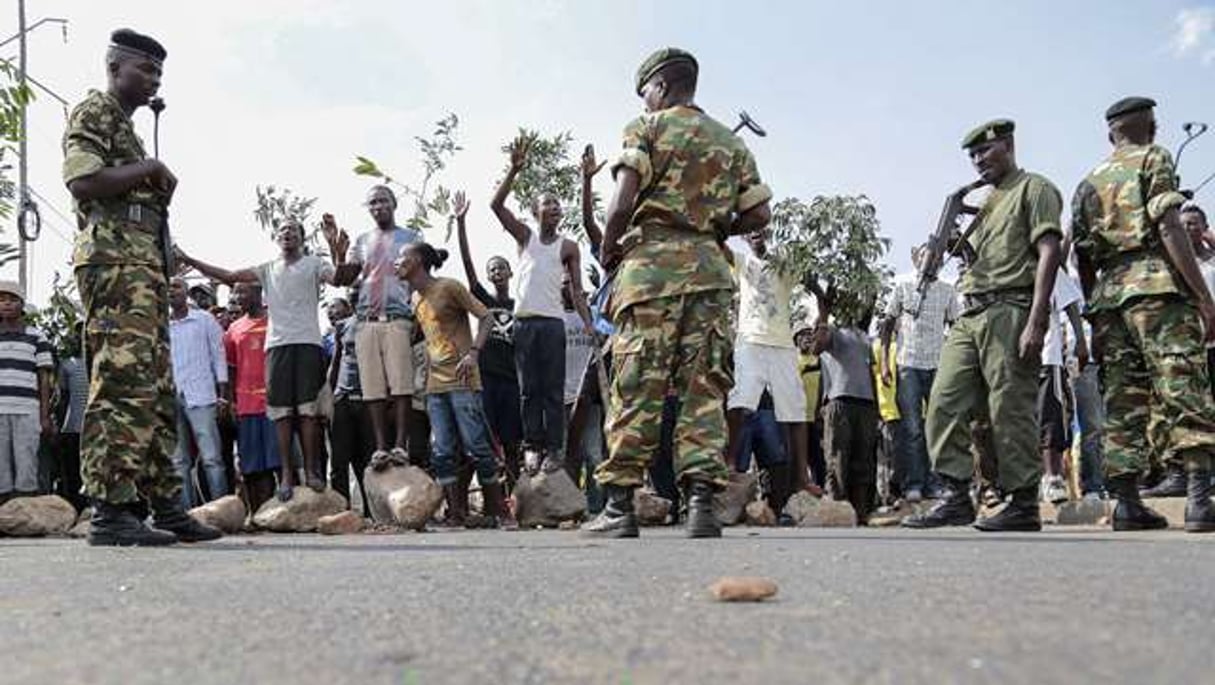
x,y
300,513
345,523
651,509
36,516
547,499
760,514
814,512
226,513
84,524
742,589
1083,512
402,495
730,504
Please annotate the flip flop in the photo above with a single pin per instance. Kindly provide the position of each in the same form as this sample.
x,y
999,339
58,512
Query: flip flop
x,y
398,456
285,493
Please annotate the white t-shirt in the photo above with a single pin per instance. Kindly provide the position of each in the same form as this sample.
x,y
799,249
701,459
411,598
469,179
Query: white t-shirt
x,y
1066,293
293,294
763,299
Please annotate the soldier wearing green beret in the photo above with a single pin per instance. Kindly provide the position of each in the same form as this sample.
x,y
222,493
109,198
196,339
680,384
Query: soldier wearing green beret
x,y
989,364
683,180
1151,313
119,196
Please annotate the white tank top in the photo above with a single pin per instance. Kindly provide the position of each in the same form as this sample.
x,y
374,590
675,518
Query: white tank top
x,y
540,274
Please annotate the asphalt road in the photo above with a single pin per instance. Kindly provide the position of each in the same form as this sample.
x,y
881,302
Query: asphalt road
x,y
1069,605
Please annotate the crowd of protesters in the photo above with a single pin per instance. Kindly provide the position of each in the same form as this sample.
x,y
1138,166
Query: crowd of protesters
x,y
266,403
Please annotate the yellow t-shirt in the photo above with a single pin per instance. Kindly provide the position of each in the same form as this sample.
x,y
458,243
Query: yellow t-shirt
x,y
888,406
808,367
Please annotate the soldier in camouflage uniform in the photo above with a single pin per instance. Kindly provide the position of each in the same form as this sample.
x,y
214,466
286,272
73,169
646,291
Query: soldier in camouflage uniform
x,y
120,198
994,349
683,181
1149,307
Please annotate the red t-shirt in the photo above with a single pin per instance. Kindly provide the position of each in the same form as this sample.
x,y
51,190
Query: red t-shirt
x,y
245,345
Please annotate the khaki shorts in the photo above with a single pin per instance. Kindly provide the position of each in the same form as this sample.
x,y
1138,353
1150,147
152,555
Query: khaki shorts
x,y
385,358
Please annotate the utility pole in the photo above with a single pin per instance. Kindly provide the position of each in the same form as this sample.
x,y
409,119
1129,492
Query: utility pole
x,y
23,166
26,206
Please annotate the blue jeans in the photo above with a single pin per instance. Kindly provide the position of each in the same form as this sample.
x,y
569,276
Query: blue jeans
x,y
589,454
762,436
1090,412
201,423
457,421
915,385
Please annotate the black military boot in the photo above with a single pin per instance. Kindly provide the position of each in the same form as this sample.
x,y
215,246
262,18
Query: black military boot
x,y
168,514
1199,510
617,519
702,522
954,508
115,525
1131,513
1020,515
456,498
1172,485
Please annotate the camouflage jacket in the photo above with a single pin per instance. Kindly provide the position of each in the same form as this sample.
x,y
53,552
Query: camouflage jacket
x,y
100,134
696,175
1115,215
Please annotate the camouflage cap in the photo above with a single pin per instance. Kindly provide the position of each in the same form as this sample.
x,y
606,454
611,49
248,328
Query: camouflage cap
x,y
992,130
138,44
1134,103
660,59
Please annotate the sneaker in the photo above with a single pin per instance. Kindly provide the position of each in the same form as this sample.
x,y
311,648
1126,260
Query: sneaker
x,y
1054,489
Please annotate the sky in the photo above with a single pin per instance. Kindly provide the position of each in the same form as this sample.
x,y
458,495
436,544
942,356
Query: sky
x,y
857,97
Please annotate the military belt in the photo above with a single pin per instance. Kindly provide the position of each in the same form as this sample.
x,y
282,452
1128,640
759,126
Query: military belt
x,y
1020,297
143,216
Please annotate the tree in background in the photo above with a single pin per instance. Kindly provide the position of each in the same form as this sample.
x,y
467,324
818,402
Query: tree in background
x,y
549,168
276,205
835,247
59,318
13,97
437,151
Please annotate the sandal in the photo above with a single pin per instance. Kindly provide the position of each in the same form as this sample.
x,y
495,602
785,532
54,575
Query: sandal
x,y
398,456
379,460
285,492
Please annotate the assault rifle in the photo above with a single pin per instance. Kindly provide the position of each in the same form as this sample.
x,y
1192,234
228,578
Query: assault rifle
x,y
945,242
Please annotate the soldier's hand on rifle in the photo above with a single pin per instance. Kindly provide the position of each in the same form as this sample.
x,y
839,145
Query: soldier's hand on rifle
x,y
459,205
589,166
518,152
338,240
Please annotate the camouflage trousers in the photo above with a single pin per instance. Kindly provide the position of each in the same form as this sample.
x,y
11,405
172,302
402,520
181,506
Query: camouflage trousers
x,y
680,342
1157,395
980,375
130,428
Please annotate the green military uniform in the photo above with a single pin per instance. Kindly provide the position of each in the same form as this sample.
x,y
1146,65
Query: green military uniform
x,y
980,365
672,295
1156,393
129,423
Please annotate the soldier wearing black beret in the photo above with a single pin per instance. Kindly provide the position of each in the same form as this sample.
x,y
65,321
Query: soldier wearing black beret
x,y
120,198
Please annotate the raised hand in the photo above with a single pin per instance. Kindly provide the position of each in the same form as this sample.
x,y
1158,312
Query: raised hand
x,y
589,167
338,240
459,205
518,151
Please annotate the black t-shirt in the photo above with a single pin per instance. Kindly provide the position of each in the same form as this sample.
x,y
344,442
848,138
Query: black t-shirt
x,y
498,357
